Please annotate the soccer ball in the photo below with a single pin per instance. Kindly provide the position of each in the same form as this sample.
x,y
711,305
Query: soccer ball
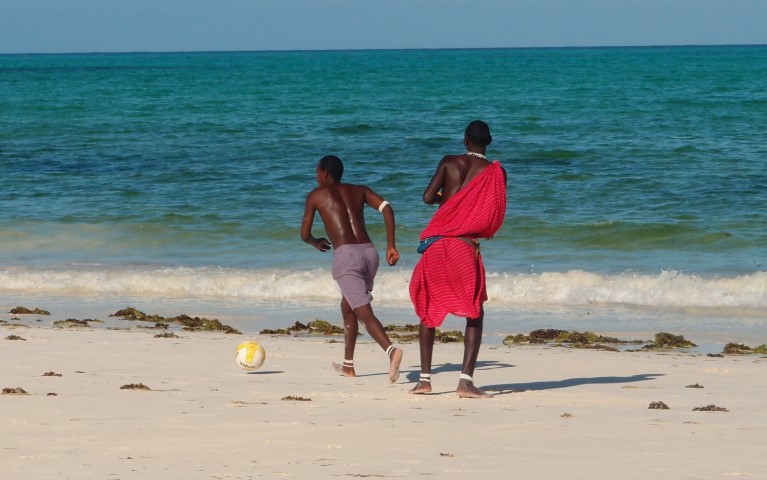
x,y
250,355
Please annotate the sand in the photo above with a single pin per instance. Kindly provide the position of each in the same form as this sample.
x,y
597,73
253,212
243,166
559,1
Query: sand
x,y
555,413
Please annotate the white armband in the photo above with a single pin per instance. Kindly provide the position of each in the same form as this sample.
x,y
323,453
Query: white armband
x,y
381,207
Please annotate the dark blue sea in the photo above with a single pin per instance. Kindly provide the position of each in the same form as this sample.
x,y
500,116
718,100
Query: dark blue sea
x,y
637,178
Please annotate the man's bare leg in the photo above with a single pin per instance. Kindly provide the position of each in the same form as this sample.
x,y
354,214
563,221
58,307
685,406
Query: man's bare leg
x,y
351,331
471,343
426,344
376,331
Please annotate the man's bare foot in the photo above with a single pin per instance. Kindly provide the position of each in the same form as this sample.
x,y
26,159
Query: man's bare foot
x,y
421,388
466,389
394,360
344,370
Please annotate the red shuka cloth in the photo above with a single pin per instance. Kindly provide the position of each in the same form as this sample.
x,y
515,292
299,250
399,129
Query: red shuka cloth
x,y
450,276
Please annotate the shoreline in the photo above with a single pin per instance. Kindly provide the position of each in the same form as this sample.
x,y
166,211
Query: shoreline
x,y
554,413
708,330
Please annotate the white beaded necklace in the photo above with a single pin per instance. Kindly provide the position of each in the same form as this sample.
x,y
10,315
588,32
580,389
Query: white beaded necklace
x,y
478,155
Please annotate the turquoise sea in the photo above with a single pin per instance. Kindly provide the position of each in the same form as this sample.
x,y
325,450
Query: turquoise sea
x,y
637,177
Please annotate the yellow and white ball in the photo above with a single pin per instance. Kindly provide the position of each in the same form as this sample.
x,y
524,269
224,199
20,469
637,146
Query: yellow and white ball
x,y
250,355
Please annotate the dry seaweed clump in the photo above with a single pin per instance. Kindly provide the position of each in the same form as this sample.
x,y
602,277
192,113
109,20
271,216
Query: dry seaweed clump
x,y
449,336
166,335
324,327
51,374
296,399
135,386
156,326
665,340
15,337
187,322
695,385
404,333
27,311
740,349
74,323
409,333
574,339
658,406
14,391
315,327
710,408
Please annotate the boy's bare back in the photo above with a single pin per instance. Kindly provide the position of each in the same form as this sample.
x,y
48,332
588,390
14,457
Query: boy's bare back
x,y
340,206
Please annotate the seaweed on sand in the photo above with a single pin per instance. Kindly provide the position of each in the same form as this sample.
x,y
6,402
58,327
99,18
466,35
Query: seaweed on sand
x,y
315,327
166,335
135,386
27,311
710,408
187,322
665,340
740,349
72,322
409,333
296,399
14,391
567,338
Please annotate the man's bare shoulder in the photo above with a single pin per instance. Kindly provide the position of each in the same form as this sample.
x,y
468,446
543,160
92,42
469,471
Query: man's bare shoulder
x,y
352,190
351,186
315,192
452,159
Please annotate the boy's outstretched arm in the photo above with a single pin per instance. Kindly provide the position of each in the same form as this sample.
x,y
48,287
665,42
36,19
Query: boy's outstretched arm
x,y
321,244
376,201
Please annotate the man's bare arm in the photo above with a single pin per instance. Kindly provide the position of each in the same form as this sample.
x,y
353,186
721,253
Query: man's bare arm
x,y
321,244
376,201
432,193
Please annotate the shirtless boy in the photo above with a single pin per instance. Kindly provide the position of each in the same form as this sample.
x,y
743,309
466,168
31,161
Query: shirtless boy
x,y
355,258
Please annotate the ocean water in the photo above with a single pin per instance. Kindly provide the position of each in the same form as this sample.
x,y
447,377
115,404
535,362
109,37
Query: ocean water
x,y
637,176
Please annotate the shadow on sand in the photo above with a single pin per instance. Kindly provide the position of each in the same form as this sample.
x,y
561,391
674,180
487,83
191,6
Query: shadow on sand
x,y
506,388
413,375
567,383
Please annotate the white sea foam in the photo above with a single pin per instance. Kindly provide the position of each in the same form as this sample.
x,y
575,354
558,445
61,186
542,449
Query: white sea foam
x,y
672,290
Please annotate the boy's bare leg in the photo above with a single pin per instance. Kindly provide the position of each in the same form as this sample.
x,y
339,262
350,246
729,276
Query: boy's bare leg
x,y
426,345
471,343
376,331
351,331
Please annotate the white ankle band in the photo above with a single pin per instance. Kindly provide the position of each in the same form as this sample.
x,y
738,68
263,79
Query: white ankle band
x,y
348,363
389,350
425,377
467,377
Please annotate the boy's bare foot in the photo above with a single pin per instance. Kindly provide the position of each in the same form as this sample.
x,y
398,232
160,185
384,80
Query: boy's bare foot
x,y
344,370
466,389
394,360
421,388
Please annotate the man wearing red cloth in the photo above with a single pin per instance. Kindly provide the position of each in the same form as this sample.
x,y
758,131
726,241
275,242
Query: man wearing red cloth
x,y
450,277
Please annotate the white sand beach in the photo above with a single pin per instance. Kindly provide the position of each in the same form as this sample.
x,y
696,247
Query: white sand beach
x,y
555,413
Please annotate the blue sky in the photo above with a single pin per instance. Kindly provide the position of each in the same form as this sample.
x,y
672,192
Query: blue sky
x,y
42,26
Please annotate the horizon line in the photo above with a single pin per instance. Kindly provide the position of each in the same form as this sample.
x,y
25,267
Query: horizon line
x,y
319,50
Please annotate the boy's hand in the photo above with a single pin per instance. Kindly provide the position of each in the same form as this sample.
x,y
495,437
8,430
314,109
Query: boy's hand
x,y
392,256
322,244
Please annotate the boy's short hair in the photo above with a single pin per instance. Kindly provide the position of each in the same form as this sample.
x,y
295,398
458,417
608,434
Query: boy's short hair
x,y
333,165
479,133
